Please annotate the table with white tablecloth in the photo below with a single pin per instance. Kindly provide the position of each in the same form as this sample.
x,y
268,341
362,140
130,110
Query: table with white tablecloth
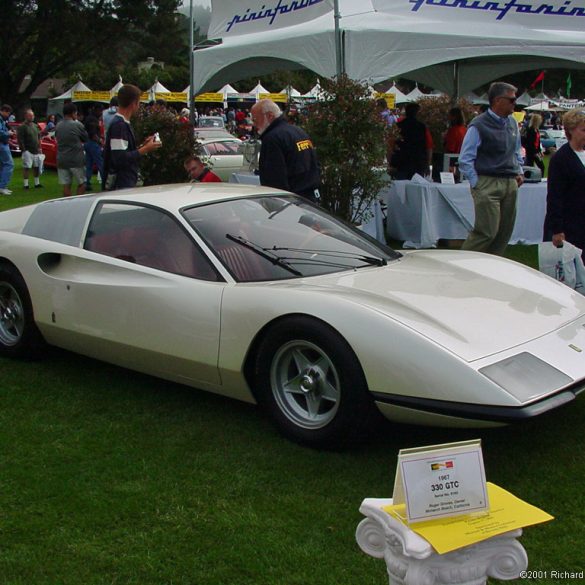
x,y
373,226
420,213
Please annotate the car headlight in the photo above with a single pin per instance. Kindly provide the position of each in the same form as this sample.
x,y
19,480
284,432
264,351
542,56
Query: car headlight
x,y
525,376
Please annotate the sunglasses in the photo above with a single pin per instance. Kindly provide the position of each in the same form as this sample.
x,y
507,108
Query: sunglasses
x,y
510,99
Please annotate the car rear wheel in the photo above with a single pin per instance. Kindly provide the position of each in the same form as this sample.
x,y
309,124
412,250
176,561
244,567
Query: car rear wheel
x,y
311,383
19,336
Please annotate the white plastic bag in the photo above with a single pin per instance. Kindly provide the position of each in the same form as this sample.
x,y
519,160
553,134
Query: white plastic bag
x,y
563,264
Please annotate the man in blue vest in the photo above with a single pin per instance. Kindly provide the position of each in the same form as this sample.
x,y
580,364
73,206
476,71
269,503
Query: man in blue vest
x,y
492,161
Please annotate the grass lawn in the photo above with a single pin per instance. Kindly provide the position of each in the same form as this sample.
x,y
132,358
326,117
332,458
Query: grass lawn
x,y
112,477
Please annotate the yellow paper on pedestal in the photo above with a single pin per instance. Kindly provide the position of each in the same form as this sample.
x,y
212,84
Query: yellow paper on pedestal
x,y
506,513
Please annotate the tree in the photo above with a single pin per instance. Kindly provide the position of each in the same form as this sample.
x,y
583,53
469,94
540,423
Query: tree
x,y
351,143
164,165
45,38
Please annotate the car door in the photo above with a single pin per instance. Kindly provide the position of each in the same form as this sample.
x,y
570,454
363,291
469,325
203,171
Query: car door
x,y
225,158
144,296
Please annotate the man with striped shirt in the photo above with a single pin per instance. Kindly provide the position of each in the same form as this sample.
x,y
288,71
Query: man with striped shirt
x,y
121,153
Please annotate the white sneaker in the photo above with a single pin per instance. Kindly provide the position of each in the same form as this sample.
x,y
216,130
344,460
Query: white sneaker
x,y
5,192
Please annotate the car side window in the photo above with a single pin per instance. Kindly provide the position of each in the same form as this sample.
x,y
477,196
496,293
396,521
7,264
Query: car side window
x,y
222,148
147,237
211,148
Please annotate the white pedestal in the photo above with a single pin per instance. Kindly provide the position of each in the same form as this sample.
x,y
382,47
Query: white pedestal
x,y
411,560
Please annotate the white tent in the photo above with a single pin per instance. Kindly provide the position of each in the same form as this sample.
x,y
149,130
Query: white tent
x,y
316,92
157,87
226,90
399,97
258,89
482,100
116,88
291,91
524,99
68,95
415,94
444,45
539,107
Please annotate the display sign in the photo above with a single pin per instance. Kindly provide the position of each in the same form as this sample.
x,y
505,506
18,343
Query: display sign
x,y
565,15
389,97
173,96
229,18
507,512
275,97
439,481
447,178
209,97
91,96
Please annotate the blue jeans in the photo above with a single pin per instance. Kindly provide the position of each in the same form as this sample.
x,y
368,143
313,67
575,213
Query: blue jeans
x,y
93,156
6,165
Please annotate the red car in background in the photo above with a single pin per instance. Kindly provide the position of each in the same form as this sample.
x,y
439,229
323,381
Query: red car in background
x,y
13,141
15,147
49,149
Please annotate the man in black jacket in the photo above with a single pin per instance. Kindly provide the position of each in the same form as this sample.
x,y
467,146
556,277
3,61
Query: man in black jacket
x,y
121,153
412,154
287,156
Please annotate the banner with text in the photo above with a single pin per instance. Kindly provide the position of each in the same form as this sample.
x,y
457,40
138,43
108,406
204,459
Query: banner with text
x,y
567,15
210,97
231,18
275,97
91,96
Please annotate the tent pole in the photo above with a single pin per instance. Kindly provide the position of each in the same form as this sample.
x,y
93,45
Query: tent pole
x,y
191,98
338,61
455,81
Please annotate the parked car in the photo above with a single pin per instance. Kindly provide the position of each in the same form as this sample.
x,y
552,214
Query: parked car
x,y
256,294
551,139
49,149
210,122
224,155
13,140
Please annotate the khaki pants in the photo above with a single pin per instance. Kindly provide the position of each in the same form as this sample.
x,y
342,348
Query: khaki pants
x,y
495,214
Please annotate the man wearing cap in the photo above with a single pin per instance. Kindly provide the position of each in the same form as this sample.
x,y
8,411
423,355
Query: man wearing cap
x,y
492,161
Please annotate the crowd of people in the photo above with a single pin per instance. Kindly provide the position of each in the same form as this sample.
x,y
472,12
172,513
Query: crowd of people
x,y
83,141
492,150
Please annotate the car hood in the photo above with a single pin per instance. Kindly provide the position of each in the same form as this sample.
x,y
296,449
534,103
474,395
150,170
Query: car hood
x,y
472,304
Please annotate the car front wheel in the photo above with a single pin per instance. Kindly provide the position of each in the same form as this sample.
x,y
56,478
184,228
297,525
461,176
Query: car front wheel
x,y
19,336
311,383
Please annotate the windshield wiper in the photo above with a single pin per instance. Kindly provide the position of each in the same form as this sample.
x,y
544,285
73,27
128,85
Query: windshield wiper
x,y
372,260
264,253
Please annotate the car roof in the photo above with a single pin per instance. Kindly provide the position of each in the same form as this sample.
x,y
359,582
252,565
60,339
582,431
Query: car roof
x,y
203,135
177,196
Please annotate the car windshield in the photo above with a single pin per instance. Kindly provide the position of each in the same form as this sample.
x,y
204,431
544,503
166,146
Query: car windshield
x,y
210,123
282,236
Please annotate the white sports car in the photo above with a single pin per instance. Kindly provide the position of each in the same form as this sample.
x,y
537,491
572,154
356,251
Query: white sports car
x,y
258,295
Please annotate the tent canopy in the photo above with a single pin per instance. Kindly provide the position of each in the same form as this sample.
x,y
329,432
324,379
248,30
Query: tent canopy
x,y
79,86
116,88
399,97
414,95
437,44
